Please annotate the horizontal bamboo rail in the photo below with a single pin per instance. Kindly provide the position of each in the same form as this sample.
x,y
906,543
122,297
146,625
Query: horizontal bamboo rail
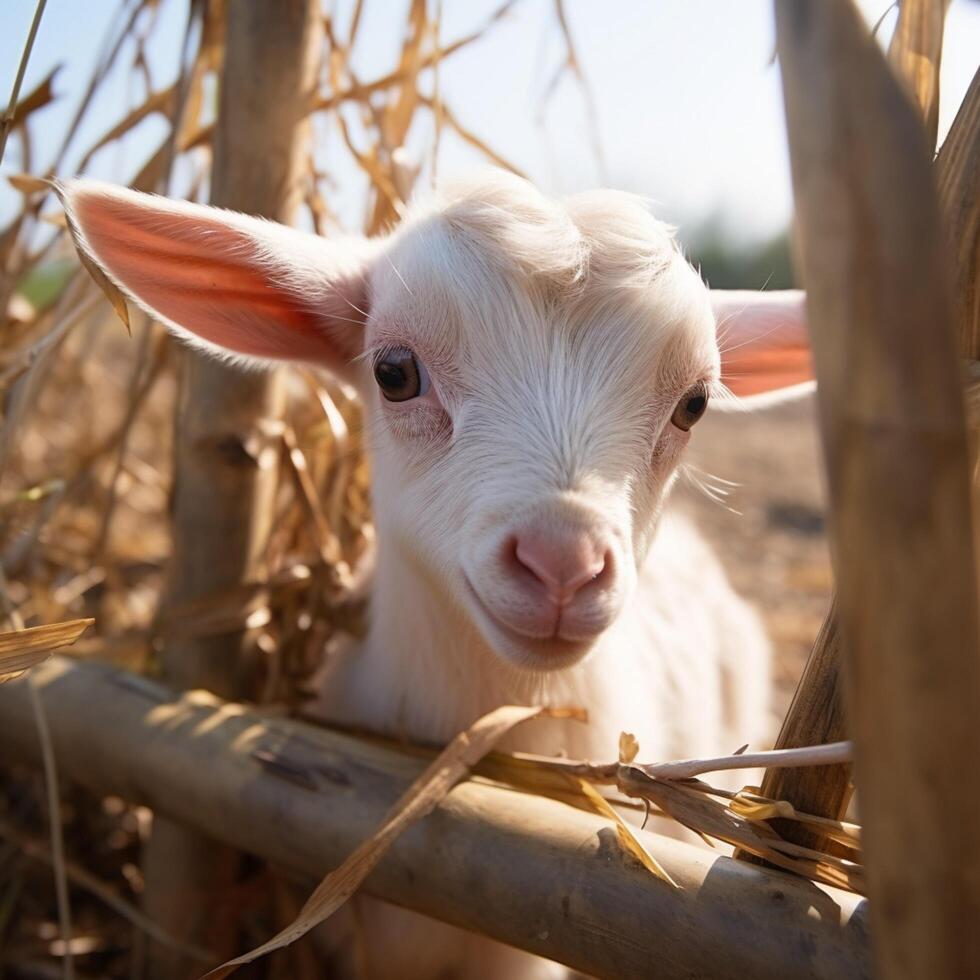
x,y
525,870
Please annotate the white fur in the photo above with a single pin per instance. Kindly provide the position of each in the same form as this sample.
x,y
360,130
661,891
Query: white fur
x,y
559,336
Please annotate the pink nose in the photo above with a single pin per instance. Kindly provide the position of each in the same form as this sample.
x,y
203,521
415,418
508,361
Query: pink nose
x,y
561,562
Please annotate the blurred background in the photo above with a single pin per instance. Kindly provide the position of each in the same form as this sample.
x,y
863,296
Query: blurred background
x,y
678,101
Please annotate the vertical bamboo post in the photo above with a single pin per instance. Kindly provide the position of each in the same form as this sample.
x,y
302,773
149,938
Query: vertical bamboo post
x,y
894,435
816,714
227,451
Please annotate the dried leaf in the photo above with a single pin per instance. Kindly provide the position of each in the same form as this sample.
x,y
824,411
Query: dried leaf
x,y
151,173
28,184
421,798
326,541
400,110
692,805
37,98
468,136
624,831
23,649
629,747
162,102
573,65
359,91
754,810
546,776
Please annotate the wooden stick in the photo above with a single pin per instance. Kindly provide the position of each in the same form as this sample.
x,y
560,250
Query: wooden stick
x,y
890,394
522,869
834,753
7,119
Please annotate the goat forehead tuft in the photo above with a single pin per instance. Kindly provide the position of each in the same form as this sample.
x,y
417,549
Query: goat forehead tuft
x,y
628,246
601,237
494,252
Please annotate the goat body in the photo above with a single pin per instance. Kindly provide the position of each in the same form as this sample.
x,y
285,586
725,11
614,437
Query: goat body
x,y
531,370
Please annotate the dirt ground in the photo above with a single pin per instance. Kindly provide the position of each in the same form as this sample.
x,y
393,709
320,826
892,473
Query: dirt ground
x,y
775,546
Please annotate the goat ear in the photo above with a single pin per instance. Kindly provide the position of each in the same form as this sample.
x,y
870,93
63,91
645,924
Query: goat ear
x,y
764,344
227,282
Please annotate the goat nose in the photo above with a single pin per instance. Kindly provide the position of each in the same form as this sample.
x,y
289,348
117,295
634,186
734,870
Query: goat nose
x,y
562,563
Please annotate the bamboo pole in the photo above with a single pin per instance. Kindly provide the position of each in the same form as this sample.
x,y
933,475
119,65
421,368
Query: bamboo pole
x,y
816,714
526,870
226,453
890,394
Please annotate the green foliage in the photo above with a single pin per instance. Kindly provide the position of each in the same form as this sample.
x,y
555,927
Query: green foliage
x,y
726,263
45,283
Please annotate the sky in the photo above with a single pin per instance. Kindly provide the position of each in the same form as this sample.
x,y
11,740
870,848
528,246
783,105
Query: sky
x,y
687,97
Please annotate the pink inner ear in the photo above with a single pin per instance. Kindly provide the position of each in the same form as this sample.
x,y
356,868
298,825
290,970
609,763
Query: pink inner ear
x,y
755,372
763,339
201,274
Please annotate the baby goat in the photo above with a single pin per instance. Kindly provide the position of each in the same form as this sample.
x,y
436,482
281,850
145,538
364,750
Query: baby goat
x,y
531,370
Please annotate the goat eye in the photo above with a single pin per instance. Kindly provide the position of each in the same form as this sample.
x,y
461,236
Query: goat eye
x,y
399,374
691,407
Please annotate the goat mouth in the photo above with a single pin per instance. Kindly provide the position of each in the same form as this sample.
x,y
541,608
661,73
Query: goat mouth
x,y
531,652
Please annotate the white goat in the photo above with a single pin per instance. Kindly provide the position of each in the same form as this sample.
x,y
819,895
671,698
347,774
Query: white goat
x,y
531,370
